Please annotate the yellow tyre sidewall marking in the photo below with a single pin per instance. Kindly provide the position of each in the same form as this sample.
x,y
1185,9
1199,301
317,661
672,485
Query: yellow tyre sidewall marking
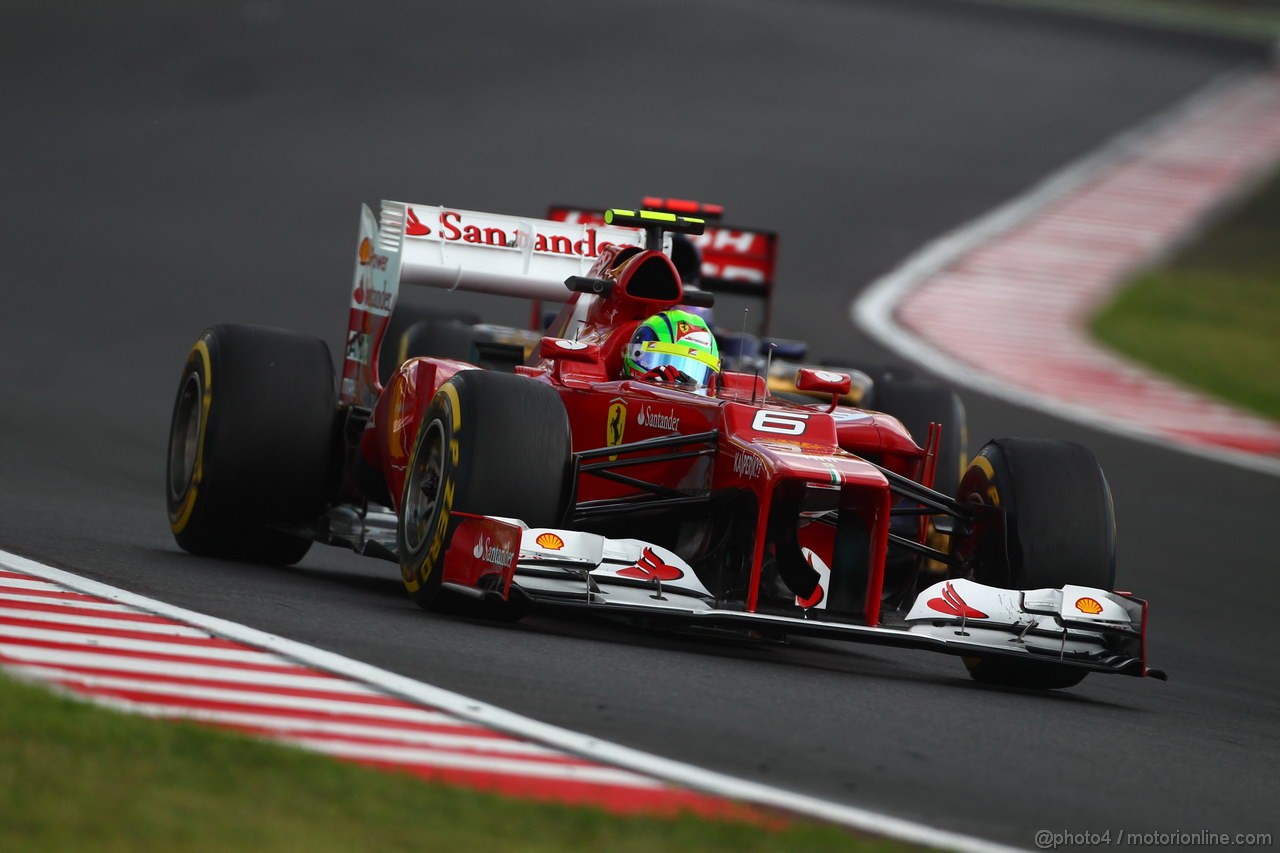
x,y
984,464
178,521
415,576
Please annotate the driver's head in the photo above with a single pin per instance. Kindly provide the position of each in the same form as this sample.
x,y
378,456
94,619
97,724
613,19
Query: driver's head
x,y
674,346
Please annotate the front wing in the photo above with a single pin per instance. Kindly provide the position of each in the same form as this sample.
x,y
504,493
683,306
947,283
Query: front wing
x,y
1077,626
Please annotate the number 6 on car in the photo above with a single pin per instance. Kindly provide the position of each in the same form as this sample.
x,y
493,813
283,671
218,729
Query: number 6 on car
x,y
785,423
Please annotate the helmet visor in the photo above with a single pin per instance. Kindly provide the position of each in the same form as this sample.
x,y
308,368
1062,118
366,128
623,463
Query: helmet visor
x,y
695,366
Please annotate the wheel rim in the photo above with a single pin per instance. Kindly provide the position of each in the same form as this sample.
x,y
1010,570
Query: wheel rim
x,y
422,492
184,437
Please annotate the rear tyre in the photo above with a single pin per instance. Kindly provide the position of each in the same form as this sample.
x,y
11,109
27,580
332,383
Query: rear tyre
x,y
250,443
438,338
1056,526
414,331
490,444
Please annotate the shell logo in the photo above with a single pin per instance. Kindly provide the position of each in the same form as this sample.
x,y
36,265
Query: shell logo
x,y
1088,605
550,541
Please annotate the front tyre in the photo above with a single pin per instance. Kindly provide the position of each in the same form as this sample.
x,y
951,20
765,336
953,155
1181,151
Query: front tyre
x,y
490,444
250,443
1051,523
1027,674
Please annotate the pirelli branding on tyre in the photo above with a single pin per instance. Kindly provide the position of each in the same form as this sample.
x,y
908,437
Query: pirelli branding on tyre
x,y
430,489
186,450
986,488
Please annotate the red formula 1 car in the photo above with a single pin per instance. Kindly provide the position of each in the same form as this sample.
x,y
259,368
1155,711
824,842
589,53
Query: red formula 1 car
x,y
564,482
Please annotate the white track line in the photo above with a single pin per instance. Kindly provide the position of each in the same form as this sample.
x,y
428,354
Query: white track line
x,y
875,310
492,717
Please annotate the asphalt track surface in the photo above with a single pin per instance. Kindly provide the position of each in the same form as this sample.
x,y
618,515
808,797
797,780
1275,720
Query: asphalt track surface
x,y
168,166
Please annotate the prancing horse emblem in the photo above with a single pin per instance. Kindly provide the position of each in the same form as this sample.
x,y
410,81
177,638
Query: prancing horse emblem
x,y
617,423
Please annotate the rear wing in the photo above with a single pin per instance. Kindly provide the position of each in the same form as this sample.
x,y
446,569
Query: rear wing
x,y
734,259
455,249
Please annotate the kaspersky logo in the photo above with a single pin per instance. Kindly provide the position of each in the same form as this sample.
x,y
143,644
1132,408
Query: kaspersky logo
x,y
491,553
748,465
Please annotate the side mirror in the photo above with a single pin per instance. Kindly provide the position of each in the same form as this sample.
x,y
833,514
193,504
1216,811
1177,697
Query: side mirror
x,y
562,349
809,379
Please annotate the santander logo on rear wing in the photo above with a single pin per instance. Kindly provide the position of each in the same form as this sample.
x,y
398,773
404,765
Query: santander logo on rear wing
x,y
491,252
454,249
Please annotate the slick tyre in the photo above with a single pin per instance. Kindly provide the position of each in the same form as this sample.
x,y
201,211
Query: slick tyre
x,y
250,443
919,402
416,330
439,338
489,444
1053,524
1027,674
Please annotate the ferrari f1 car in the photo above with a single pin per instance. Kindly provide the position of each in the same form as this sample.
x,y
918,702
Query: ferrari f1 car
x,y
563,483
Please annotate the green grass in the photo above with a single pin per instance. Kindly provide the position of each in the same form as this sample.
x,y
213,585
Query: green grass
x,y
1211,317
74,776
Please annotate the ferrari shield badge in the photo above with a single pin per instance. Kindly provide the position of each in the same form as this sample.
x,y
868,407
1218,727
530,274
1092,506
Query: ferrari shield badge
x,y
617,422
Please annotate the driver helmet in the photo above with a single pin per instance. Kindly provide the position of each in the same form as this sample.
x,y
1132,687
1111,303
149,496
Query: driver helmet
x,y
673,346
